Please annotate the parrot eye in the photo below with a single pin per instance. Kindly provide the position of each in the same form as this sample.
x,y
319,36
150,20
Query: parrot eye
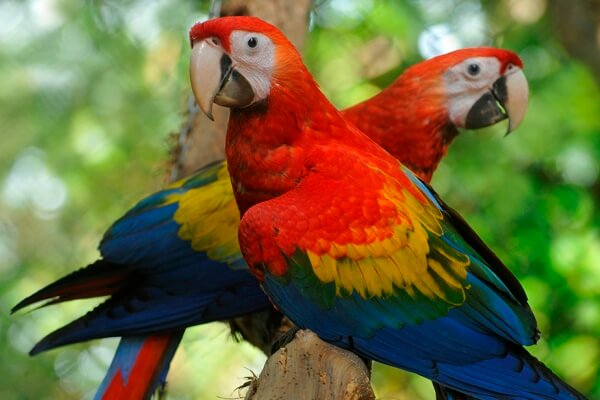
x,y
253,57
252,42
473,69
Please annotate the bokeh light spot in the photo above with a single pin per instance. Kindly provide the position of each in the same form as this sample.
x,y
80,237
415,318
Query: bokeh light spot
x,y
438,39
9,257
527,11
30,182
335,13
578,166
90,140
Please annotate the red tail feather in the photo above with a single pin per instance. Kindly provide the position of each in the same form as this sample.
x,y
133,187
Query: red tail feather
x,y
142,376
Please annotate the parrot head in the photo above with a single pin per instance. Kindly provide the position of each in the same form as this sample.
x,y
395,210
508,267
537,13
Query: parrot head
x,y
234,61
481,85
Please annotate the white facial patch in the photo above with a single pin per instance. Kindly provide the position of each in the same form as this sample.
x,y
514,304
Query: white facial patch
x,y
253,56
467,82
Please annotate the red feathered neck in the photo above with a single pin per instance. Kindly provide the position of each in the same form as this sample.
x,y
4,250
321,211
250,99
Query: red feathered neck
x,y
279,138
410,120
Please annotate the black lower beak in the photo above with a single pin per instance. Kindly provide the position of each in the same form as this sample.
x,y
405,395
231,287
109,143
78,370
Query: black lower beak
x,y
490,108
226,69
234,88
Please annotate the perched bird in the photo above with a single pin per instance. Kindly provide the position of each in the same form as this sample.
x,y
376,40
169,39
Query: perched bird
x,y
349,243
173,260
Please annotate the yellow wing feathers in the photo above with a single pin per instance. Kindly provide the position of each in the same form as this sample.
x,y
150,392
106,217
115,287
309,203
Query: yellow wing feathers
x,y
209,218
413,258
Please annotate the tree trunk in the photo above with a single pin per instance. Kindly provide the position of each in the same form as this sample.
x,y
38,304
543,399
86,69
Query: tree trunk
x,y
306,368
577,25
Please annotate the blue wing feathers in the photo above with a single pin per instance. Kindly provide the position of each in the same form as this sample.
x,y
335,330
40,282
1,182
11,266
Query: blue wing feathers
x,y
153,309
150,239
156,280
491,310
468,365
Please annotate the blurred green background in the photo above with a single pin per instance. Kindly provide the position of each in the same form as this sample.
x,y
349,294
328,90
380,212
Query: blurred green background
x,y
89,92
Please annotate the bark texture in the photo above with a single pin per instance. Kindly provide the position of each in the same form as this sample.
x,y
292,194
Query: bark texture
x,y
308,368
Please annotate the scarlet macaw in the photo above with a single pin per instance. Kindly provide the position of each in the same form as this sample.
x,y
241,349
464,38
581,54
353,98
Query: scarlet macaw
x,y
173,260
349,243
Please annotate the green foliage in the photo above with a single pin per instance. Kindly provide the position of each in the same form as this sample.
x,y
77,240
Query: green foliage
x,y
90,92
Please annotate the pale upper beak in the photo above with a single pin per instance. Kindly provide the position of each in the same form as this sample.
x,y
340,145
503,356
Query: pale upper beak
x,y
215,80
506,99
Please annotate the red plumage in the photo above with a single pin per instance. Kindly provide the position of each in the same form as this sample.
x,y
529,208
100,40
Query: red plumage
x,y
139,382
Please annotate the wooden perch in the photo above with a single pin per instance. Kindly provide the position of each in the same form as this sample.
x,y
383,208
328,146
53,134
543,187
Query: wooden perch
x,y
307,369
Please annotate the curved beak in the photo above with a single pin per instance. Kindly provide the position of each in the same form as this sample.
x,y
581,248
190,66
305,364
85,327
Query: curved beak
x,y
506,99
215,80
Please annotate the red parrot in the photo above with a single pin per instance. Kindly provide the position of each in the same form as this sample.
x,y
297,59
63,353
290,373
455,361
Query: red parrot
x,y
349,243
173,261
